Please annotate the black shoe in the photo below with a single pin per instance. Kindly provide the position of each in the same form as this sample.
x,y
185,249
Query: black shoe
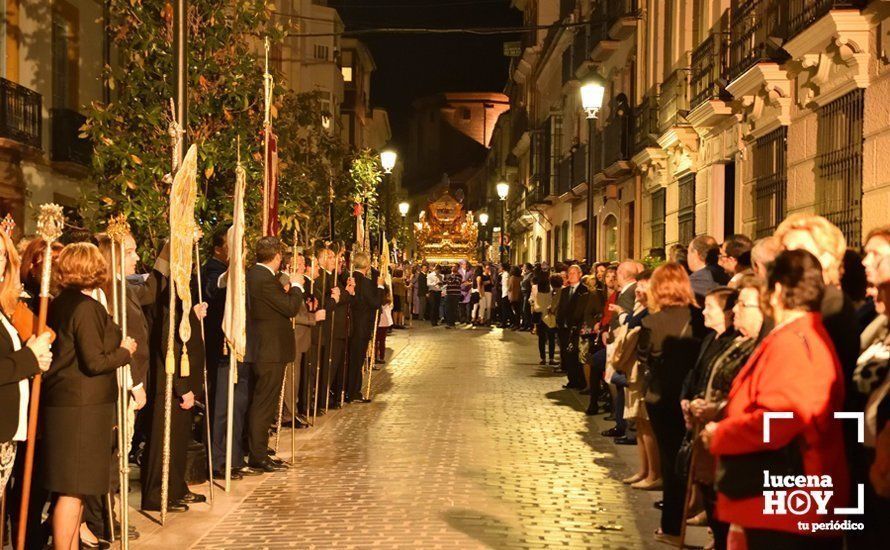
x,y
193,498
362,400
268,467
235,476
543,362
277,461
625,440
591,411
554,363
175,507
572,387
613,432
248,471
658,504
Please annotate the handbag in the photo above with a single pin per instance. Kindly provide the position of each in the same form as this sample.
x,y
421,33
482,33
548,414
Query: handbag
x,y
741,476
549,319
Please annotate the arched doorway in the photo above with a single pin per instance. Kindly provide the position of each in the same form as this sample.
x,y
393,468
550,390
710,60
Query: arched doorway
x,y
610,238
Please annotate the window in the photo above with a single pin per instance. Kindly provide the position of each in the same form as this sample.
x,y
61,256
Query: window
x,y
64,56
770,181
539,249
347,74
553,152
610,238
839,165
656,223
686,213
556,248
321,52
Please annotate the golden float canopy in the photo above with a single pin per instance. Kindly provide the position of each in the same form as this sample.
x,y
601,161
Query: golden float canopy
x,y
447,234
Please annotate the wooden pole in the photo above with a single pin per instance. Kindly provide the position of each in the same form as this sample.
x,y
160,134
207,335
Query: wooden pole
x,y
318,343
230,402
49,227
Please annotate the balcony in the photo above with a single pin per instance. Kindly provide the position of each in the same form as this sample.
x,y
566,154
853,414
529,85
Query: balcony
x,y
568,67
804,13
710,61
617,140
20,110
621,15
756,26
566,8
67,145
564,176
646,127
580,49
674,99
579,165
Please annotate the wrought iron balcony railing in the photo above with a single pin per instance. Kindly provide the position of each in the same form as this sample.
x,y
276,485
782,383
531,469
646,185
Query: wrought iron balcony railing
x,y
803,13
20,112
617,139
758,28
579,165
613,9
564,176
674,99
67,145
708,68
646,127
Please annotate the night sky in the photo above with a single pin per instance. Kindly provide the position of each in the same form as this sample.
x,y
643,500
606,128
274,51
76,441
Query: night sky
x,y
412,66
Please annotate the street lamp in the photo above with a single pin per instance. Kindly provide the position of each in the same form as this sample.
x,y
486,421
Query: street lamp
x,y
483,219
388,160
592,92
403,209
503,190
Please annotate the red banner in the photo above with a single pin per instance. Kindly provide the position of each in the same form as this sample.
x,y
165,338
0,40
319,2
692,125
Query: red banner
x,y
271,200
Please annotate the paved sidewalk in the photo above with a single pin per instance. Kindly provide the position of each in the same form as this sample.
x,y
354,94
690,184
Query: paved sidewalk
x,y
468,444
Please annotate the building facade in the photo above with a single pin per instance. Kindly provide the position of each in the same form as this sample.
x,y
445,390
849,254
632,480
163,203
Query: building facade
x,y
50,70
719,117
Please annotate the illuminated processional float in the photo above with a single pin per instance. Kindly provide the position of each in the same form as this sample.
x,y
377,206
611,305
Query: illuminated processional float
x,y
446,233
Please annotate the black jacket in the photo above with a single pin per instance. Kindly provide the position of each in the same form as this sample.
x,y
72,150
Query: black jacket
x,y
668,349
570,310
626,301
14,367
335,311
157,316
140,294
368,299
86,353
216,306
270,333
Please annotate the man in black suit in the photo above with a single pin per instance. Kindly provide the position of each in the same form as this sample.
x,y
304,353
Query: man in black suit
x,y
270,343
569,316
333,331
623,306
366,300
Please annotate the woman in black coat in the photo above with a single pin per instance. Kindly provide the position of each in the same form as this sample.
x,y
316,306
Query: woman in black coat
x,y
80,390
668,347
18,362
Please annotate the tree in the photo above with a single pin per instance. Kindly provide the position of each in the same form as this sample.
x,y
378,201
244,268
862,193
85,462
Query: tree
x,y
225,82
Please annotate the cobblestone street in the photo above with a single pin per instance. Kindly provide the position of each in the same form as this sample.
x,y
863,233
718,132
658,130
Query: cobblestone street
x,y
468,444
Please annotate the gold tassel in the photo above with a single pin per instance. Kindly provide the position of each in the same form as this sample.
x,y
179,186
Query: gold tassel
x,y
184,363
170,364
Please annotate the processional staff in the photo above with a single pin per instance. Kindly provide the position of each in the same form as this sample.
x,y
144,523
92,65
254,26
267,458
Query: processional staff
x,y
198,235
117,231
49,227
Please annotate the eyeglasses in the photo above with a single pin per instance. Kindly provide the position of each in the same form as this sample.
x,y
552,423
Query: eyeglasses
x,y
748,306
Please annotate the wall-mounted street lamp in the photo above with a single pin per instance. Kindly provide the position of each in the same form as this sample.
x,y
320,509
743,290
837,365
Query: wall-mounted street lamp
x,y
593,90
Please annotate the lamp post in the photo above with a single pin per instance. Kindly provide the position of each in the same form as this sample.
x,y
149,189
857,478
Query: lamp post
x,y
503,190
388,159
483,221
592,92
404,207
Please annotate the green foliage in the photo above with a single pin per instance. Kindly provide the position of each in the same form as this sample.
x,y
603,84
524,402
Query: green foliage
x,y
651,262
132,146
133,150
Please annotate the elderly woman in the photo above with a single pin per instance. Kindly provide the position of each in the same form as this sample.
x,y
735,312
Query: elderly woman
x,y
709,396
668,347
794,370
79,391
18,362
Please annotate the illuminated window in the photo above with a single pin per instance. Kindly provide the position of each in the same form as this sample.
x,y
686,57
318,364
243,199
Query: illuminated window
x,y
347,74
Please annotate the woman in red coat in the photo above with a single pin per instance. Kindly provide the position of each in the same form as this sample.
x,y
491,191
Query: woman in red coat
x,y
795,370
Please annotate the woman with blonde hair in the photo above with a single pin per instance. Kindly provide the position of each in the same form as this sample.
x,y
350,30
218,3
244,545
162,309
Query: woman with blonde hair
x,y
667,349
18,362
80,390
